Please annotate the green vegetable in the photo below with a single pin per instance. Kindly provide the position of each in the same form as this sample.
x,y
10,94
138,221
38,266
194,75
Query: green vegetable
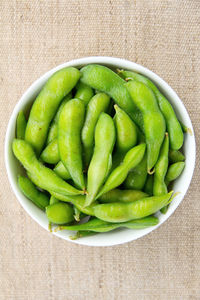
x,y
61,171
118,175
154,123
159,186
122,196
99,103
50,154
101,162
97,225
53,130
31,192
46,104
173,126
21,125
60,213
84,92
69,139
175,156
105,80
126,135
174,171
42,176
123,212
137,177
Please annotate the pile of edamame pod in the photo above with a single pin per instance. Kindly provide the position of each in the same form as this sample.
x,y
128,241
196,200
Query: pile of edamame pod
x,y
102,144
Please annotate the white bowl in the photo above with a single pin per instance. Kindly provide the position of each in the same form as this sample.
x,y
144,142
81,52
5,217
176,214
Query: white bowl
x,y
118,236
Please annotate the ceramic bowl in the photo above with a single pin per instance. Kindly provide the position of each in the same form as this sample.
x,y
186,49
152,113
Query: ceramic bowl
x,y
120,236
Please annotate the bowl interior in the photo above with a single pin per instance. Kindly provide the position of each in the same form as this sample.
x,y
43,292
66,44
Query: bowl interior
x,y
121,235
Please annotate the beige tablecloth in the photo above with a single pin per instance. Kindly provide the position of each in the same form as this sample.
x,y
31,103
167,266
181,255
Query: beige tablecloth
x,y
35,36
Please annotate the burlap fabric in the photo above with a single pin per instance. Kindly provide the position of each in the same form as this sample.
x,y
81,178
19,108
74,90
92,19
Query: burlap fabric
x,y
38,35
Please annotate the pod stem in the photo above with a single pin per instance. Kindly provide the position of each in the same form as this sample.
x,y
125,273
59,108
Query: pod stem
x,y
151,171
173,196
50,227
58,228
119,70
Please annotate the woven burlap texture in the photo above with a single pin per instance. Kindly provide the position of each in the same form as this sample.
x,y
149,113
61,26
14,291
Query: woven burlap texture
x,y
38,35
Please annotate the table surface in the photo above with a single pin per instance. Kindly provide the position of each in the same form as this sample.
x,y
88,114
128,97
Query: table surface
x,y
38,35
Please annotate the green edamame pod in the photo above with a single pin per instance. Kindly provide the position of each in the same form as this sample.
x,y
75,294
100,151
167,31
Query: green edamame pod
x,y
31,192
84,92
126,135
60,213
118,175
53,200
21,125
101,159
50,154
148,187
98,225
173,126
99,103
154,123
61,171
46,104
105,80
137,177
175,156
78,201
159,186
123,212
69,139
122,196
174,171
53,131
42,176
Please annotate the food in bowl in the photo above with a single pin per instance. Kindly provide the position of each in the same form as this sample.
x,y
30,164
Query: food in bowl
x,y
102,144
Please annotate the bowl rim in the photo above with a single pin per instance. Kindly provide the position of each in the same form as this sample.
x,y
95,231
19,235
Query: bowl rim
x,y
104,60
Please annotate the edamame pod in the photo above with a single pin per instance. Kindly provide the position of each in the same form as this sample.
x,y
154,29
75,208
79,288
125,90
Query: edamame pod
x,y
46,104
126,135
61,171
41,176
78,201
126,131
69,139
154,123
175,156
99,103
105,80
174,171
137,177
98,225
53,131
50,154
118,175
159,186
21,125
122,196
123,212
102,156
84,92
173,126
60,213
31,192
